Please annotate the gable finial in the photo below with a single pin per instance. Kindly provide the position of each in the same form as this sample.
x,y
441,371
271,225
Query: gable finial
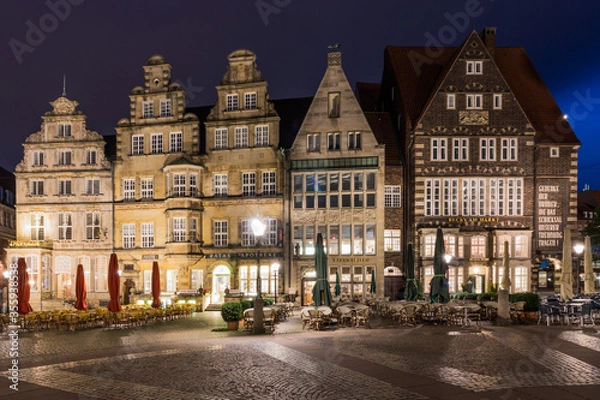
x,y
64,93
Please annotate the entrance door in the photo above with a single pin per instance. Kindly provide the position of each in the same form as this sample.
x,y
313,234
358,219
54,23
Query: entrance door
x,y
307,291
221,282
393,287
64,286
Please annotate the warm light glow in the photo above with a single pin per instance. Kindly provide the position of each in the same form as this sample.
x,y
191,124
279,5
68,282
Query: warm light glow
x,y
565,116
476,270
119,272
6,274
448,258
258,228
31,282
578,248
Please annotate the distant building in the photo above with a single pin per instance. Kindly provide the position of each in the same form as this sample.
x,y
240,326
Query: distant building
x,y
7,214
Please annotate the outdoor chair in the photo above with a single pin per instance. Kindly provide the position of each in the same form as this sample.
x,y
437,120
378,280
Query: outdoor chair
x,y
550,314
248,319
346,315
316,319
363,318
517,311
581,314
410,314
269,318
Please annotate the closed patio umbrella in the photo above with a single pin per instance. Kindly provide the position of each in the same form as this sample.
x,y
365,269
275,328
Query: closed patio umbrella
x,y
155,285
24,293
588,271
566,279
114,284
80,289
338,287
321,290
439,284
373,288
411,293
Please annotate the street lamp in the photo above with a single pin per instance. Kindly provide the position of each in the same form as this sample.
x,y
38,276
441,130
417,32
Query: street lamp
x,y
258,228
578,250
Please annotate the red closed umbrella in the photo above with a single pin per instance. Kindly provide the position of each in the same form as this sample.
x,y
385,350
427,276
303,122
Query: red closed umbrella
x,y
24,289
155,285
80,290
114,284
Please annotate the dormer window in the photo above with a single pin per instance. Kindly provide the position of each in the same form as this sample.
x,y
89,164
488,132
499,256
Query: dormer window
x,y
148,109
232,102
354,141
313,142
63,130
451,101
474,67
64,157
166,109
250,101
474,101
554,152
90,157
38,158
497,102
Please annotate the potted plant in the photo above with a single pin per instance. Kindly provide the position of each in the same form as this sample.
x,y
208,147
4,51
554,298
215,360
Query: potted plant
x,y
532,303
232,314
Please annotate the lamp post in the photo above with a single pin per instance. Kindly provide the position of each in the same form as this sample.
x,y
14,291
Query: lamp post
x,y
578,250
258,228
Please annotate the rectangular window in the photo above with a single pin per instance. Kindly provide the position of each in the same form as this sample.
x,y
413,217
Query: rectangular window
x,y
175,142
334,201
90,157
250,101
166,108
137,144
38,158
478,246
221,142
438,149
93,229
358,181
391,240
370,239
334,240
261,135
64,187
92,187
197,276
270,235
521,246
64,157
178,185
474,67
460,149
65,226
474,199
429,244
232,102
101,274
334,104
357,240
392,196
193,185
148,109
333,141
220,233
354,142
241,137
334,182
246,233
509,149
432,197
371,176
346,181
147,188
249,184
497,101
521,282
37,188
147,230
346,239
171,286
450,197
370,199
179,229
63,131
220,185
474,101
450,101
269,183
313,142
487,149
309,240
554,152
128,236
128,189
156,142
193,230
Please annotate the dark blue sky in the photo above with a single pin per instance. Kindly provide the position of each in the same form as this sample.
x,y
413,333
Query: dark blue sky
x,y
102,45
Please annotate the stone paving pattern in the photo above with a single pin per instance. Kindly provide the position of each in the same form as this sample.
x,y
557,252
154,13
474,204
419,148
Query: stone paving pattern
x,y
193,358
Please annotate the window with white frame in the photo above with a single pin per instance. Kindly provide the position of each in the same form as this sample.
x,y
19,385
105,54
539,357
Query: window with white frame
x,y
333,141
64,187
197,279
232,102
36,188
91,157
270,236
269,183
450,101
249,184
313,142
521,246
474,67
175,142
521,281
497,102
193,230
64,157
474,196
261,135
171,286
508,151
478,244
515,196
101,274
247,235
392,196
429,245
554,152
439,149
166,108
33,270
474,101
391,240
93,227
38,158
220,185
137,144
450,197
250,101
148,109
454,245
147,188
65,226
63,130
179,229
460,149
148,281
487,149
128,189
432,197
92,186
220,233
179,185
147,230
221,142
156,143
241,137
354,141
500,245
128,233
193,185
370,239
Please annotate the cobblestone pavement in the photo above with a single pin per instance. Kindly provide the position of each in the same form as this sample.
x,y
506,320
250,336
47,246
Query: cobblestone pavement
x,y
194,358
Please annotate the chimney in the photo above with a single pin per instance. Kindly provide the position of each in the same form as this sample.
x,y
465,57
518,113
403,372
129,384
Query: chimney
x,y
488,36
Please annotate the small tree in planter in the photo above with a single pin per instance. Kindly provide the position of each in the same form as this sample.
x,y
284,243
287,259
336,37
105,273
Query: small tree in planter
x,y
232,314
532,303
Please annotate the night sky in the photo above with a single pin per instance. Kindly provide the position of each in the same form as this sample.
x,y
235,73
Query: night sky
x,y
101,46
